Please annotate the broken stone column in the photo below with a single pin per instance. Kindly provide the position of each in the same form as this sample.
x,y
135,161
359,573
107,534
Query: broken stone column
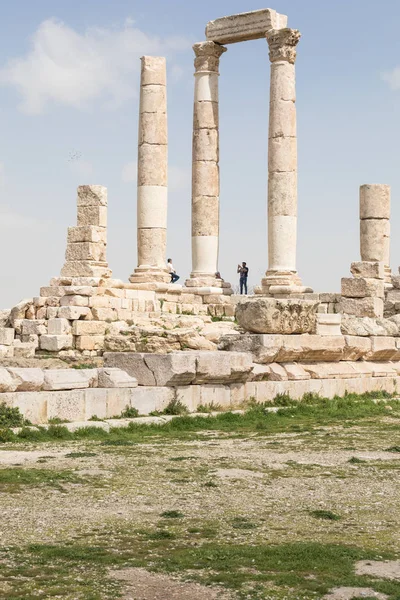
x,y
375,225
152,173
281,277
87,242
205,169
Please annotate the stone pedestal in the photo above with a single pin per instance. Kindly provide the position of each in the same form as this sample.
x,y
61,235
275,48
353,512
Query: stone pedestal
x,y
375,225
205,169
281,277
152,173
87,242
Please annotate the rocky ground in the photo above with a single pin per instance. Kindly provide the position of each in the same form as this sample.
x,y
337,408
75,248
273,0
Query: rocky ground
x,y
297,507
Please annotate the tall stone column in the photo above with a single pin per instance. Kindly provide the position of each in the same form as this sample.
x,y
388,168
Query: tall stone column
x,y
205,168
152,173
375,225
281,277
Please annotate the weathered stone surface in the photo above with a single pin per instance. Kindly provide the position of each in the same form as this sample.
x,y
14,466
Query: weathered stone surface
x,y
295,371
259,372
115,378
362,307
277,372
69,379
92,195
152,165
374,201
306,348
89,327
150,399
244,26
360,287
368,269
74,300
328,324
24,349
241,366
33,327
85,269
27,380
328,370
356,347
153,70
89,342
382,348
7,335
18,312
172,369
374,237
92,215
133,363
212,367
71,313
268,315
88,233
7,383
86,251
58,327
55,343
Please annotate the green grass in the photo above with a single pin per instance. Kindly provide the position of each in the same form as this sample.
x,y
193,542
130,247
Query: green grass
x,y
356,461
13,479
80,454
11,417
172,514
327,515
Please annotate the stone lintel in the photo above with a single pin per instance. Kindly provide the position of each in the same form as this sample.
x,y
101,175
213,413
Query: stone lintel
x,y
244,26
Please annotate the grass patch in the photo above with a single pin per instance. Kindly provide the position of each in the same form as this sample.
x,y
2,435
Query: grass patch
x,y
393,449
80,454
172,514
13,479
243,523
327,515
356,461
175,407
129,413
11,417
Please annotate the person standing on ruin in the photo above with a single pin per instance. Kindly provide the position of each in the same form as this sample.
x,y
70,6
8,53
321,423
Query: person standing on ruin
x,y
243,270
171,271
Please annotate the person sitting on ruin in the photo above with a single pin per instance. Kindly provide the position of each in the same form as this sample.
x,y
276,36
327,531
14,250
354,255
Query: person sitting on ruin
x,y
171,271
218,276
244,272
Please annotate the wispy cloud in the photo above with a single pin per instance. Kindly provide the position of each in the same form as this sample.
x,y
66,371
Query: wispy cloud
x,y
392,78
66,67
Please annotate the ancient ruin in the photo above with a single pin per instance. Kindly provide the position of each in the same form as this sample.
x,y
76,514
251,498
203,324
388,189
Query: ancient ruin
x,y
149,341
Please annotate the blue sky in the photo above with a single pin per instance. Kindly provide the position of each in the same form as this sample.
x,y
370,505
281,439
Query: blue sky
x,y
69,77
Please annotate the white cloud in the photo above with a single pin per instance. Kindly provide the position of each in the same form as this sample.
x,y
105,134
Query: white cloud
x,y
129,172
12,220
392,78
178,178
74,69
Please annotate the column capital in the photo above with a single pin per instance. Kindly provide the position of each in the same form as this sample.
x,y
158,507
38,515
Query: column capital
x,y
282,44
207,56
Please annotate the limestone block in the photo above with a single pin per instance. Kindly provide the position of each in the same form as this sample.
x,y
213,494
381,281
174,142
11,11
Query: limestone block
x,y
282,154
374,236
368,269
80,290
380,369
215,394
66,405
327,297
88,233
329,324
73,312
150,399
269,315
85,251
393,296
45,292
306,348
4,316
205,179
205,215
24,350
152,201
19,311
212,367
382,348
86,269
151,247
244,26
27,380
189,395
327,370
295,372
153,99
104,314
172,369
41,313
74,301
374,201
241,366
360,287
133,363
58,327
153,70
89,328
277,373
205,144
91,215
153,127
92,195
152,165
33,327
282,194
31,339
362,307
115,378
89,342
7,335
282,116
6,351
69,379
356,347
259,372
117,400
7,383
206,115
95,403
55,343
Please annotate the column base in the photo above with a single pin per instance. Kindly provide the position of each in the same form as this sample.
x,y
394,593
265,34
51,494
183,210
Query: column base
x,y
282,284
147,274
199,280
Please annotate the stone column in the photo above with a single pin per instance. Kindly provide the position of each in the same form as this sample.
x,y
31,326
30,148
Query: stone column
x,y
152,173
281,277
205,169
375,225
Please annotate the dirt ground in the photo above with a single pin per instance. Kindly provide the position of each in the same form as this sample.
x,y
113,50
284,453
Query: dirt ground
x,y
329,486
